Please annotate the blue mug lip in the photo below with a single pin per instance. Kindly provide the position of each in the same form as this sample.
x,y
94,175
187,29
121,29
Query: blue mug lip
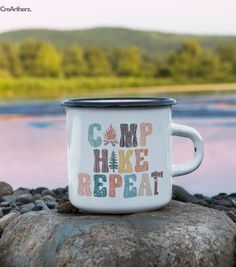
x,y
119,102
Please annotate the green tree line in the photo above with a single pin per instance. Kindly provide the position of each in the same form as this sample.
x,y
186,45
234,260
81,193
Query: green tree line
x,y
39,59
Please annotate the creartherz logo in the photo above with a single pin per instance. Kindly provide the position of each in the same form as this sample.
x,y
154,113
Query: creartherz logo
x,y
15,9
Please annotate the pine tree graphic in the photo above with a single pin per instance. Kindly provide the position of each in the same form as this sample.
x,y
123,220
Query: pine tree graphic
x,y
113,163
110,136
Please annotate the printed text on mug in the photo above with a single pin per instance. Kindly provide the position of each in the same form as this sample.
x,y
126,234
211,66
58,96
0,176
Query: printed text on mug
x,y
124,167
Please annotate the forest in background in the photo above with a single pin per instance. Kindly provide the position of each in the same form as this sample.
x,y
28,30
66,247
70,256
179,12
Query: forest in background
x,y
42,59
41,68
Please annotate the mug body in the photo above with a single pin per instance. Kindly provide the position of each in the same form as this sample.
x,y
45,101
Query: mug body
x,y
119,157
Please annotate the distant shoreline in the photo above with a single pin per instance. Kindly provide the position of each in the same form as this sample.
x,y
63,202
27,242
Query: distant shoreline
x,y
24,89
186,88
201,104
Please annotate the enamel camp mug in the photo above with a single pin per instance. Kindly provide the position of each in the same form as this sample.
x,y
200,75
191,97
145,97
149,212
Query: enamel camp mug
x,y
120,153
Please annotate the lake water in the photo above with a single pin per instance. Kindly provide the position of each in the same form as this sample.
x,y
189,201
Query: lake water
x,y
33,143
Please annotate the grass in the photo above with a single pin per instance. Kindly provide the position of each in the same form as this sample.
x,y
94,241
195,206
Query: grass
x,y
59,88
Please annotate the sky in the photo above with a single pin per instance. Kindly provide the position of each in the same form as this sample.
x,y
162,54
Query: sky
x,y
179,16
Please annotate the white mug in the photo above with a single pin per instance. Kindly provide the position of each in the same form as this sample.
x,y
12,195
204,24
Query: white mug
x,y
120,153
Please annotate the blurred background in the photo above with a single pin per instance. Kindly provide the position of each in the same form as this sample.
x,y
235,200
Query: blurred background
x,y
182,49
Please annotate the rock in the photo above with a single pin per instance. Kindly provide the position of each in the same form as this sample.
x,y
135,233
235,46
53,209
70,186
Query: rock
x,y
222,202
232,216
179,193
200,196
9,198
219,207
27,207
232,195
223,194
49,198
39,190
181,234
5,220
233,202
51,205
37,197
63,199
5,189
6,210
21,191
66,189
201,202
37,208
208,200
47,192
15,210
1,213
5,204
14,206
66,207
40,205
59,191
24,199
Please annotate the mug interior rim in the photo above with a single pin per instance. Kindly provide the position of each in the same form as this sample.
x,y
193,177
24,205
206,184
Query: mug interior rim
x,y
119,102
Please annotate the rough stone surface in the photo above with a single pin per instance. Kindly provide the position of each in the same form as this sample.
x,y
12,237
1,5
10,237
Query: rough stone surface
x,y
178,235
49,198
9,198
21,191
67,207
5,220
1,213
24,199
232,216
5,189
40,205
179,193
39,190
27,207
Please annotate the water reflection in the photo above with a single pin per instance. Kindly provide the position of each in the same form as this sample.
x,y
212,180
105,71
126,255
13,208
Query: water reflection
x,y
33,148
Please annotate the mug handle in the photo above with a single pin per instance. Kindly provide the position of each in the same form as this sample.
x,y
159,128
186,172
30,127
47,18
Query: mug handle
x,y
190,166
